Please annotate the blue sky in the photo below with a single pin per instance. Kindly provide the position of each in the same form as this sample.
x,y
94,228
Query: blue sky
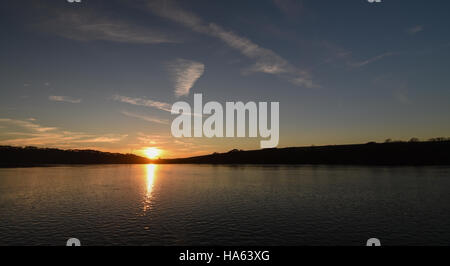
x,y
102,74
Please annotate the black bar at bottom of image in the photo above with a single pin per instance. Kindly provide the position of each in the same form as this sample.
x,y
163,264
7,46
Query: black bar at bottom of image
x,y
225,255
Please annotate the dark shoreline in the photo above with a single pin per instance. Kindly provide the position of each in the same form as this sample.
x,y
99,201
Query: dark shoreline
x,y
32,157
430,153
6,166
381,154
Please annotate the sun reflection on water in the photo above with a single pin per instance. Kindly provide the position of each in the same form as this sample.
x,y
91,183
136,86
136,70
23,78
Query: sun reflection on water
x,y
150,180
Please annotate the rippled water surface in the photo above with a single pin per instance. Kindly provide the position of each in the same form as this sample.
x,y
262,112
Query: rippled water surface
x,y
224,205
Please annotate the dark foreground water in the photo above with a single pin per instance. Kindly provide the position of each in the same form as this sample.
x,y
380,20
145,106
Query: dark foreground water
x,y
225,205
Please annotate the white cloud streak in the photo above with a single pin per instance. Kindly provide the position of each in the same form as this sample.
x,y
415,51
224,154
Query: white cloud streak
x,y
22,133
186,73
65,99
149,103
27,125
143,102
90,26
266,61
145,118
372,60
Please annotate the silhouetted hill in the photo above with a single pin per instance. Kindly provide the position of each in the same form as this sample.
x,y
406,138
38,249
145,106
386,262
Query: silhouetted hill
x,y
390,153
395,153
30,156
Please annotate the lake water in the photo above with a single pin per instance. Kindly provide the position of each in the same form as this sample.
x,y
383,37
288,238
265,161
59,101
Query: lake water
x,y
225,205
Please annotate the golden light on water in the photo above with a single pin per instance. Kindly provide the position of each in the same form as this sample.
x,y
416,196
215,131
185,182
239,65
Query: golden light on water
x,y
150,180
151,169
152,153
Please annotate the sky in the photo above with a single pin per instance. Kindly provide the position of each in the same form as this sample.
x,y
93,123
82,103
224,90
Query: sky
x,y
104,74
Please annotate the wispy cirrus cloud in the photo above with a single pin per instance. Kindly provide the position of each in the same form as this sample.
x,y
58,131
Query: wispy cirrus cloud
x,y
101,139
85,25
65,99
185,73
27,124
143,102
266,60
371,60
23,132
149,103
145,118
416,29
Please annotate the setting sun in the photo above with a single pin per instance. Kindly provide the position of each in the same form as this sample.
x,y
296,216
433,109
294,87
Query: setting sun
x,y
152,153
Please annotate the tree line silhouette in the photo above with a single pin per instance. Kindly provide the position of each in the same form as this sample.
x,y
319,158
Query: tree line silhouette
x,y
413,152
30,156
431,152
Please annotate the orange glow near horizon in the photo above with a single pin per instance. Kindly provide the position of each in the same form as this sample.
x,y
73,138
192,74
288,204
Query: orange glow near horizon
x,y
152,153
